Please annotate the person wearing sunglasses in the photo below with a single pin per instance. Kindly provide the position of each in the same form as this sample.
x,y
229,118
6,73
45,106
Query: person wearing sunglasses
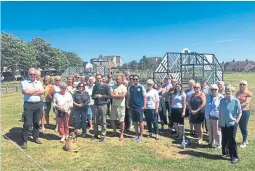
x,y
33,105
63,102
196,105
152,107
162,104
230,112
137,104
81,100
245,97
212,116
221,86
91,109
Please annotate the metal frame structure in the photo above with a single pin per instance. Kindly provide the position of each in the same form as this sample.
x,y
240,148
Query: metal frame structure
x,y
189,65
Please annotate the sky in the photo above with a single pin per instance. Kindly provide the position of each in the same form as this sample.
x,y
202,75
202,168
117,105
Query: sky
x,y
135,29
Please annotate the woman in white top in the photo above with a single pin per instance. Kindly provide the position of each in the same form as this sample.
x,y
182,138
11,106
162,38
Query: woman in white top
x,y
178,108
63,102
57,81
91,109
151,111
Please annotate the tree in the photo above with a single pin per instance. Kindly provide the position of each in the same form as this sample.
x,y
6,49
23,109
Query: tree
x,y
60,59
44,53
14,52
133,64
73,58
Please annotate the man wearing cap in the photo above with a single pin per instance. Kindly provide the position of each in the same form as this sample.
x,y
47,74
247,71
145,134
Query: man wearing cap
x,y
32,90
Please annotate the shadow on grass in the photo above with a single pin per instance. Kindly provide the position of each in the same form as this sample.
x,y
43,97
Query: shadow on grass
x,y
201,154
14,134
49,137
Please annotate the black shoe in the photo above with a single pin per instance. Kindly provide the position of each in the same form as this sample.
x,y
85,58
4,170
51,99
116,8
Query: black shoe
x,y
37,141
24,145
101,139
235,160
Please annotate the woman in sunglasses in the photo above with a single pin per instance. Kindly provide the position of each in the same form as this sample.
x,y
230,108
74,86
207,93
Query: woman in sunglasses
x,y
57,81
212,116
162,105
81,100
245,97
196,105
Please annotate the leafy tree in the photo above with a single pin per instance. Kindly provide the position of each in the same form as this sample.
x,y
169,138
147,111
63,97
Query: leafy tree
x,y
61,61
73,58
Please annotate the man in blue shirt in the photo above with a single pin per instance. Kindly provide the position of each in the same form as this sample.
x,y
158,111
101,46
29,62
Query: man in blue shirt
x,y
230,113
137,104
32,90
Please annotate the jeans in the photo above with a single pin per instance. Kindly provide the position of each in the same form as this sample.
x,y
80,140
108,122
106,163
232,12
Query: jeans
x,y
228,139
151,118
127,119
100,117
80,119
243,124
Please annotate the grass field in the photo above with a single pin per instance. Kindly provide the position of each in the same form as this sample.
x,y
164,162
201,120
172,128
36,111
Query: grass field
x,y
114,155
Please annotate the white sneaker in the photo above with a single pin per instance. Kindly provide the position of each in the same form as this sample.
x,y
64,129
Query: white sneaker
x,y
56,129
243,145
63,138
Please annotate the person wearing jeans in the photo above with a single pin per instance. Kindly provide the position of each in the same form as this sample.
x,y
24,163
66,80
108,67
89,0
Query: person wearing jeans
x,y
230,113
81,100
245,97
151,110
212,116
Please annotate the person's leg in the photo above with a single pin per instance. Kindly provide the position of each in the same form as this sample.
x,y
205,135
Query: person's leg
x,y
121,117
91,118
36,120
224,140
77,117
147,113
232,142
43,120
127,119
28,121
141,125
61,129
47,114
113,118
216,132
66,125
210,130
243,124
84,115
97,117
103,110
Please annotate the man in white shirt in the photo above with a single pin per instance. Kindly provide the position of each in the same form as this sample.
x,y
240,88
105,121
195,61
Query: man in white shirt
x,y
32,90
91,105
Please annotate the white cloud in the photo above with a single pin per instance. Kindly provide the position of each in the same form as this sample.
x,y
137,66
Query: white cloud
x,y
224,41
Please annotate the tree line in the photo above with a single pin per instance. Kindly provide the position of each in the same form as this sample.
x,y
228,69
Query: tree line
x,y
36,53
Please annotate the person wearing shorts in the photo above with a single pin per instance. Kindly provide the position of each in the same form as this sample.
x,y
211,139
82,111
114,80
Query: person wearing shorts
x,y
137,104
118,94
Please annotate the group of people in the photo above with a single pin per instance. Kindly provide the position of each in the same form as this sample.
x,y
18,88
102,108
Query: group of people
x,y
128,103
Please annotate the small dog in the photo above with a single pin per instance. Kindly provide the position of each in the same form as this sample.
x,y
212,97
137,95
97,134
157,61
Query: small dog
x,y
70,143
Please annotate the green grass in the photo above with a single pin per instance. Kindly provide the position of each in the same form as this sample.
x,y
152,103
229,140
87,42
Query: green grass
x,y
115,155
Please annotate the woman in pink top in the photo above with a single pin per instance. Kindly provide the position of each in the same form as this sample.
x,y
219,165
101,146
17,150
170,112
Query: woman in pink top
x,y
244,96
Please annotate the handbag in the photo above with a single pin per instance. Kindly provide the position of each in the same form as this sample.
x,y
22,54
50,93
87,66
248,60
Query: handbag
x,y
61,113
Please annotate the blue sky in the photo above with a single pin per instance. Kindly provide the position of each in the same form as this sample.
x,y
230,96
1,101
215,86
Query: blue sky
x,y
134,29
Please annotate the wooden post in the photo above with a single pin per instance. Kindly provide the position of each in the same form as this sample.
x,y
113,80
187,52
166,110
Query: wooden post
x,y
6,89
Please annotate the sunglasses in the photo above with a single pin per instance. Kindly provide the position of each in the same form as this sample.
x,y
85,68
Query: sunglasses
x,y
32,74
149,84
242,84
57,80
196,87
135,79
81,86
214,89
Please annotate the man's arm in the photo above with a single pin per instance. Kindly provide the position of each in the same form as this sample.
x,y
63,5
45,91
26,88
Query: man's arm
x,y
93,93
107,93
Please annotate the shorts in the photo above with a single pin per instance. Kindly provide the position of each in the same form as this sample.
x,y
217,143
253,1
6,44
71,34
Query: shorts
x,y
137,114
118,113
177,115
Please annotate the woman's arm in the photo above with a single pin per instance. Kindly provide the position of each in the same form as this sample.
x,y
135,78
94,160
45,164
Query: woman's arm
x,y
184,105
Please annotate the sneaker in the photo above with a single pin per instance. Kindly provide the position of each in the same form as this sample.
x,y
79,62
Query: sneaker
x,y
247,142
225,156
218,147
139,139
101,139
150,134
37,141
136,138
243,145
83,135
56,129
24,145
235,160
63,139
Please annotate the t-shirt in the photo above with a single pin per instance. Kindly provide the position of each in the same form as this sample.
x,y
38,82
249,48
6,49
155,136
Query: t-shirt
x,y
136,94
152,97
244,97
177,100
119,89
79,98
89,90
65,100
